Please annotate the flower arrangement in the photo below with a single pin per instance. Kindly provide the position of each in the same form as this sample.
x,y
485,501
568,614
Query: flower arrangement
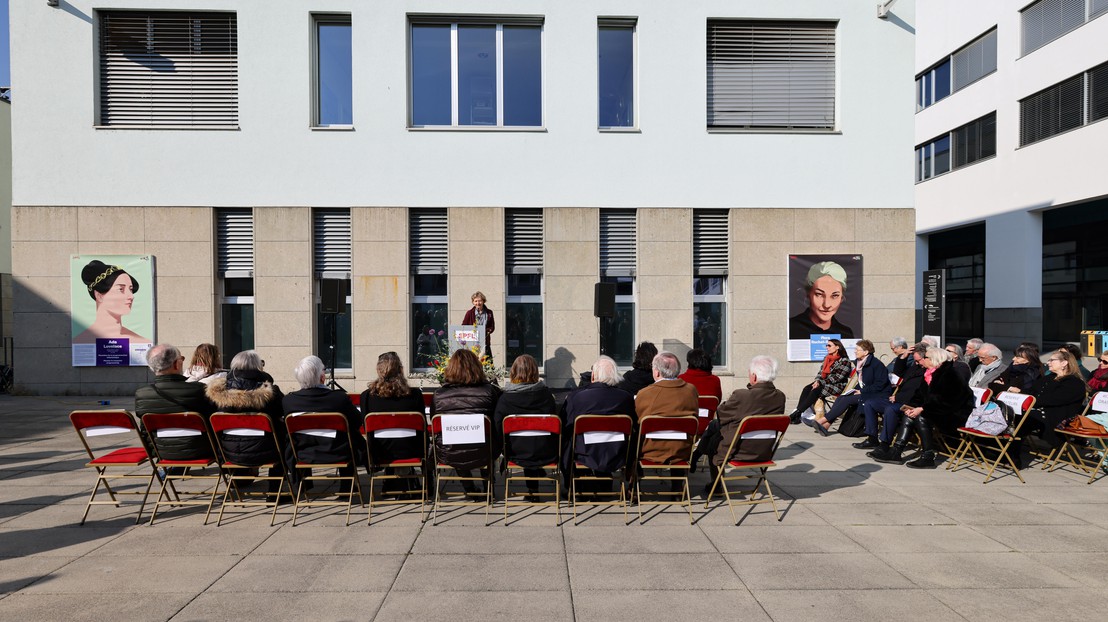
x,y
437,365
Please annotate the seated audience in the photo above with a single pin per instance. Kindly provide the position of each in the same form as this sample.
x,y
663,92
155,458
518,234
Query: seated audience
x,y
669,396
640,374
466,390
1099,380
390,393
960,365
315,397
973,346
699,374
1058,397
601,396
909,393
1022,374
248,389
828,383
902,356
873,383
173,393
991,366
527,394
205,365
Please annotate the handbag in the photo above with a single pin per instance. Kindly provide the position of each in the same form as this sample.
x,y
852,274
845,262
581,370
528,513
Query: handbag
x,y
988,418
853,423
1081,424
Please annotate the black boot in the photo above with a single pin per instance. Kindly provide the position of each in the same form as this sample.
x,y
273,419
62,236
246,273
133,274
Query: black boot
x,y
882,450
869,443
926,460
893,456
794,417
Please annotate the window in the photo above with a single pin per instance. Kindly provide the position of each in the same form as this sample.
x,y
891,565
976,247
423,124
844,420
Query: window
x,y
168,69
332,259
472,72
1097,8
333,71
710,228
523,254
427,258
766,74
971,142
618,259
616,72
969,64
1046,20
1053,110
961,252
235,266
1075,271
1098,92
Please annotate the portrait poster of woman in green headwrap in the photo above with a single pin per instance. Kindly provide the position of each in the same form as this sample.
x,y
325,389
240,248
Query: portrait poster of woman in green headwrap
x,y
825,302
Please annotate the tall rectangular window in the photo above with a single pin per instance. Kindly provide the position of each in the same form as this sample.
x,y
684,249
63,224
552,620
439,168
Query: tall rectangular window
x,y
616,72
332,259
476,72
333,87
1046,20
523,255
618,260
427,260
168,69
710,261
235,271
1098,92
765,74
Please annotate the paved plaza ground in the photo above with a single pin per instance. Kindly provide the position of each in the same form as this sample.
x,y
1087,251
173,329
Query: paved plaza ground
x,y
859,541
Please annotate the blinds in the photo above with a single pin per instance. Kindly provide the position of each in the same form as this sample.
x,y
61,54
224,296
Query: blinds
x,y
168,69
975,140
975,61
523,246
771,74
427,241
331,243
235,242
1097,7
1098,92
617,242
1052,111
1047,20
710,242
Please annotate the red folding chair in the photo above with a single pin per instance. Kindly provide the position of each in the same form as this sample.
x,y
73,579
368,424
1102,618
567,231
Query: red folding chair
x,y
1075,443
302,427
547,430
257,425
604,429
976,443
99,424
754,427
666,428
178,425
706,412
443,465
379,428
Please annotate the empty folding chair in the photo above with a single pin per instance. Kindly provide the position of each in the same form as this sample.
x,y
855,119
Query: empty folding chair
x,y
397,441
666,428
976,444
181,467
532,442
462,443
124,461
767,431
323,441
602,435
231,431
1085,450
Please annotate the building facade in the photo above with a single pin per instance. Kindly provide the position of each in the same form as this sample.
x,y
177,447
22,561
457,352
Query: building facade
x,y
1010,197
271,157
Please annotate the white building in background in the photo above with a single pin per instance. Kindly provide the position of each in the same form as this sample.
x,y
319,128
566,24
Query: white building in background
x,y
418,151
1011,188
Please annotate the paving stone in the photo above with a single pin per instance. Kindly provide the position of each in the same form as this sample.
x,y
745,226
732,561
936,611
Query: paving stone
x,y
354,540
1024,605
136,574
923,539
784,538
880,514
638,605
994,570
92,607
815,571
687,571
476,606
317,606
474,573
55,541
846,605
637,539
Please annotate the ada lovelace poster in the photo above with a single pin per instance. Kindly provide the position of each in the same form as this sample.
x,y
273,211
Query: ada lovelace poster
x,y
112,309
825,302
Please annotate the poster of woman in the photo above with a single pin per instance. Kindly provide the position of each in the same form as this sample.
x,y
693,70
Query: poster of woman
x,y
112,309
825,302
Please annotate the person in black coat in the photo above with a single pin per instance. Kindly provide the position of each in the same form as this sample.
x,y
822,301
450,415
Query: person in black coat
x,y
599,397
908,393
526,394
248,389
1058,397
172,393
465,390
873,384
641,373
390,393
315,397
1022,375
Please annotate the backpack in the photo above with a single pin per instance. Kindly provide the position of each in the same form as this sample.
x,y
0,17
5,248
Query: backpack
x,y
988,418
853,422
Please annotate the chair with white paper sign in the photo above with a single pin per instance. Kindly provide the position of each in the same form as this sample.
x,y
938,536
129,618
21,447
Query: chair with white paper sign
x,y
182,468
767,431
93,427
462,443
324,441
398,441
233,432
976,443
1086,449
532,447
665,428
613,433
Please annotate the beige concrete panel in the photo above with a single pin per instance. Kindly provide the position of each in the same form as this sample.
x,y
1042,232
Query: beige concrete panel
x,y
659,326
283,294
881,325
190,294
282,224
280,360
760,258
118,224
476,258
42,330
380,258
666,292
759,292
484,224
580,258
665,258
889,292
186,330
570,328
135,376
762,225
572,224
92,246
184,259
748,325
46,224
379,292
283,259
824,224
564,363
885,225
379,224
180,224
376,328
37,364
39,259
664,225
569,292
283,328
897,258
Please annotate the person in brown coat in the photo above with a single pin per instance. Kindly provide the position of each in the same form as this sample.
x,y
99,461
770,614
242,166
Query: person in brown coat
x,y
669,396
759,397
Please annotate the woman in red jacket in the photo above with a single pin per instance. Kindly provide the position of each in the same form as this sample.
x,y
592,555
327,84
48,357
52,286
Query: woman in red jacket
x,y
699,374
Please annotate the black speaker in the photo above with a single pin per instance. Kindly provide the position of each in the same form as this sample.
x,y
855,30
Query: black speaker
x,y
604,300
332,296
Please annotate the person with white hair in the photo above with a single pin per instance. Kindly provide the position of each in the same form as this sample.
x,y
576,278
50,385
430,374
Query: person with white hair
x,y
669,396
759,397
602,396
990,365
973,346
314,396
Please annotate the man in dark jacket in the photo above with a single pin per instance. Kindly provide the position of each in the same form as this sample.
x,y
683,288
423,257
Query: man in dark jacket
x,y
170,393
907,393
599,397
314,396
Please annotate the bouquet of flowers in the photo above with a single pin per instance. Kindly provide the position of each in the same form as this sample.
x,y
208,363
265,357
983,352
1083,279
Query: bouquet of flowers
x,y
437,365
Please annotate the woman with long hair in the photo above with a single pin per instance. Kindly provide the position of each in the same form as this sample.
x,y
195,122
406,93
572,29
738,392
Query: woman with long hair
x,y
829,382
1022,374
390,393
526,394
1058,397
465,390
641,373
206,364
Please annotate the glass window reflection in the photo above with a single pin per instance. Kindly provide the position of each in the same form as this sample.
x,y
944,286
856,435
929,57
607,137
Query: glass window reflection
x,y
334,70
476,75
616,68
430,75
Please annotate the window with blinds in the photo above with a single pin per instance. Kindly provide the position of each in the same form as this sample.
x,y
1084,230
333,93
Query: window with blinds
x,y
1046,20
235,242
1098,92
331,243
975,140
771,74
617,242
427,241
1053,110
1097,8
975,61
168,69
710,242
523,244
